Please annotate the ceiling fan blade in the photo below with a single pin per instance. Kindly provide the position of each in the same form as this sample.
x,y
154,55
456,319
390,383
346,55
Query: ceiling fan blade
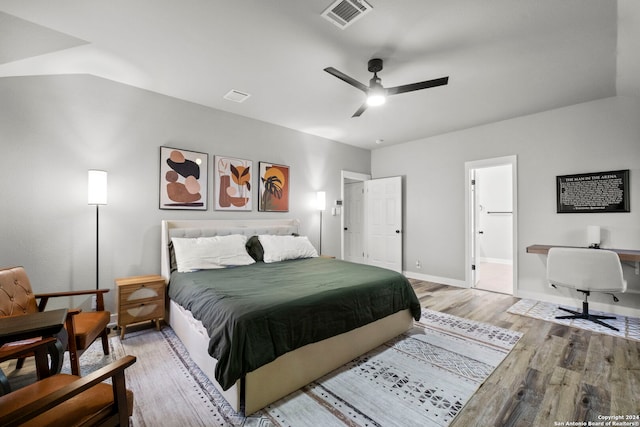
x,y
360,110
342,76
417,86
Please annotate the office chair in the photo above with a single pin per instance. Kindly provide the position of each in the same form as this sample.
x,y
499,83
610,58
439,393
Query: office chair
x,y
586,270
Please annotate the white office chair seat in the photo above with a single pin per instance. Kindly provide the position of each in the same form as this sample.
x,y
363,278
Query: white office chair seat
x,y
586,270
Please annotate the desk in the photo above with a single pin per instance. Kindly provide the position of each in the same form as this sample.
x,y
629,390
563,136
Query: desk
x,y
23,327
624,254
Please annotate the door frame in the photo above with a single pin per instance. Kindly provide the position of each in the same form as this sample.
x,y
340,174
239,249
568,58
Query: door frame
x,y
346,176
469,245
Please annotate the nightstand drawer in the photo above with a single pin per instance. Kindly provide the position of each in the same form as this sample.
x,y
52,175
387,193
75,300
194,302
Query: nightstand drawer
x,y
138,312
140,292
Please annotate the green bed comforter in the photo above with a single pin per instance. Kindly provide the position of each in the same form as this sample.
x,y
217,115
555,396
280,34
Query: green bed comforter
x,y
258,312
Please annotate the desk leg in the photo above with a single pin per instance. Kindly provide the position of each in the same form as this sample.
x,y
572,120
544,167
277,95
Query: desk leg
x,y
56,351
5,388
42,362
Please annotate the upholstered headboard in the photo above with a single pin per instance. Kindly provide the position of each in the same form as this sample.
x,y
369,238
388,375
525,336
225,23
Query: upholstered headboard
x,y
208,228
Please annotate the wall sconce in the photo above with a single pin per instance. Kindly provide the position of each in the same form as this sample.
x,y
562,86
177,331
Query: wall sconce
x,y
321,205
593,236
97,195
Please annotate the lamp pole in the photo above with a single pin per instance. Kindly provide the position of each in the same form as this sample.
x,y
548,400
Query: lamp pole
x,y
320,232
97,245
97,195
321,202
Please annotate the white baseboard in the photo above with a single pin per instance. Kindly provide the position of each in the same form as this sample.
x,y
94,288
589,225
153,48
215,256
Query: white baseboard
x,y
113,321
436,279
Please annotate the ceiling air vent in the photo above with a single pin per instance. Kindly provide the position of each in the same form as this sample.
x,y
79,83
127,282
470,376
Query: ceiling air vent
x,y
343,13
236,96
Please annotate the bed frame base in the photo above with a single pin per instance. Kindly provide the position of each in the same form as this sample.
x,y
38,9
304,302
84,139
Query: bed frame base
x,y
290,371
195,339
298,368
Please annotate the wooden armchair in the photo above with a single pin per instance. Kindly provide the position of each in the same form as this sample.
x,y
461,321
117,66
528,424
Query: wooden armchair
x,y
83,328
69,400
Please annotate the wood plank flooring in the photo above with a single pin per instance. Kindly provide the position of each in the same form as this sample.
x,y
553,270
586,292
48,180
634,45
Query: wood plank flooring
x,y
554,375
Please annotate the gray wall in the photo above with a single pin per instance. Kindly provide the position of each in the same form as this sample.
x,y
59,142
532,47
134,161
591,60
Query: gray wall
x,y
596,136
53,129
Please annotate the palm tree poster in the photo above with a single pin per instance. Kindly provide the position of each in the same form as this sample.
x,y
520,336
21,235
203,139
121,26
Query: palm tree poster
x,y
274,188
233,184
183,179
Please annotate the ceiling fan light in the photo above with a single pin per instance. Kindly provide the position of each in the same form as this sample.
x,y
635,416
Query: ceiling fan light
x,y
375,100
376,97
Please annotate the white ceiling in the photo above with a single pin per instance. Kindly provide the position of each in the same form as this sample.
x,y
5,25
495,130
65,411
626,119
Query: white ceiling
x,y
504,58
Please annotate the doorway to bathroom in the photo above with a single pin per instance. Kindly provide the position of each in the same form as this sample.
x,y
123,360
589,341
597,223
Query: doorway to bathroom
x,y
491,225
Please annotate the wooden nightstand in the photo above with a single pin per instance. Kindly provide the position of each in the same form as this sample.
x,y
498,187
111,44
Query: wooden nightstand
x,y
140,298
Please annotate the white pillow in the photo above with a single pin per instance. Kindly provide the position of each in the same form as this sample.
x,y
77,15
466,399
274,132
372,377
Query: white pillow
x,y
210,252
281,248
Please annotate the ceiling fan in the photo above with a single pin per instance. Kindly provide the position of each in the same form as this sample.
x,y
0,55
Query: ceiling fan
x,y
376,93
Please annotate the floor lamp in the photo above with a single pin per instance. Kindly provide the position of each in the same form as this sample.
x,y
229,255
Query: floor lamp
x,y
97,195
321,204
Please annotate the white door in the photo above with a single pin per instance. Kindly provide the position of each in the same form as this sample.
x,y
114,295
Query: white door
x,y
353,211
383,221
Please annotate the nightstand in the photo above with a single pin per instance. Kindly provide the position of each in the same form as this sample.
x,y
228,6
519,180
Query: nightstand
x,y
140,298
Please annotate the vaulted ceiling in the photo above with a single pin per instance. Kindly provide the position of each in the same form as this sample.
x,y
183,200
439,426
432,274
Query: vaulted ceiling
x,y
504,58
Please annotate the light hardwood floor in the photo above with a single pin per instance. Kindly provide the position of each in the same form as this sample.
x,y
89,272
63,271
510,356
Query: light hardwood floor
x,y
555,374
495,277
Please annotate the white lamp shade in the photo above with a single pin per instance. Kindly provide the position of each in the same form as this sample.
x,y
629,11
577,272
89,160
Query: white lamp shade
x,y
593,235
321,200
97,188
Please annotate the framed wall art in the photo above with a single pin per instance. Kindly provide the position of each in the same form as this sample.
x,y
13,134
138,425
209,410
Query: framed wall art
x,y
274,188
594,192
233,184
183,179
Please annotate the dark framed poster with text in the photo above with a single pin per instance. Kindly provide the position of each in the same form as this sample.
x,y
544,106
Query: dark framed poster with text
x,y
593,192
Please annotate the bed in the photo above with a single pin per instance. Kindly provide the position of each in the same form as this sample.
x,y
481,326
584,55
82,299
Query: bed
x,y
249,375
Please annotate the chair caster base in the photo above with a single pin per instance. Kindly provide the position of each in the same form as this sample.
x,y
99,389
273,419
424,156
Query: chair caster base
x,y
586,316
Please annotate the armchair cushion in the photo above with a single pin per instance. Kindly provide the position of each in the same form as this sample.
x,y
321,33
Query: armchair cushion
x,y
87,325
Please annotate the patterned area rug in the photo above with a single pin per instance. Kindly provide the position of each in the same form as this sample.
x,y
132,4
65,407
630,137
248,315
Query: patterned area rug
x,y
629,327
423,377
